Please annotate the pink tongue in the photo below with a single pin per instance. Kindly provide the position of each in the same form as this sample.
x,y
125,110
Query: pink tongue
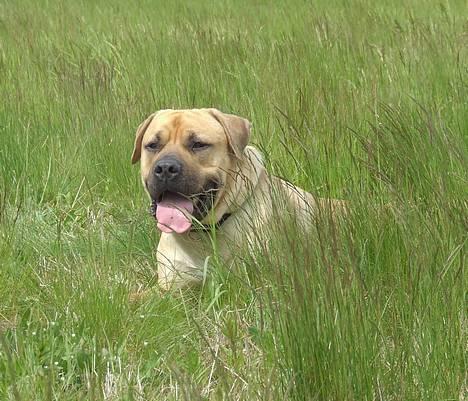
x,y
171,213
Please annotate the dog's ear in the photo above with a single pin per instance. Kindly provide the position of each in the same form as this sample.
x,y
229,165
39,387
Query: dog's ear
x,y
237,130
139,138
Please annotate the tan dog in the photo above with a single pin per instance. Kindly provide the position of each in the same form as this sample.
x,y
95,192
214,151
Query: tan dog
x,y
204,182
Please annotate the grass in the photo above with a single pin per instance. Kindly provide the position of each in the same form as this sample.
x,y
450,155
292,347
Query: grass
x,y
362,100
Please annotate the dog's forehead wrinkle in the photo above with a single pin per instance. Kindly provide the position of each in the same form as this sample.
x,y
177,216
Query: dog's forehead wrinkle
x,y
186,125
154,135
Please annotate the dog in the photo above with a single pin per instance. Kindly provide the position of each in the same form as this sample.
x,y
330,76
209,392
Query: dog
x,y
206,182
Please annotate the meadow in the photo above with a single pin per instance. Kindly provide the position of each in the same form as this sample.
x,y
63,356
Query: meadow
x,y
358,100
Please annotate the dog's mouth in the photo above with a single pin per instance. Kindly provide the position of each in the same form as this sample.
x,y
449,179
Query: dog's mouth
x,y
175,211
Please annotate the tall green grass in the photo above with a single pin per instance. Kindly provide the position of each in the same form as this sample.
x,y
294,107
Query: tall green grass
x,y
362,100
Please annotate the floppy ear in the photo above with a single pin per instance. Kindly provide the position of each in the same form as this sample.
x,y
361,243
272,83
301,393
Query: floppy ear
x,y
237,130
139,137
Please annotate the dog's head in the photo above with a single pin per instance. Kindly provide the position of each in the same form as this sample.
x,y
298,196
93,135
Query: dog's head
x,y
186,158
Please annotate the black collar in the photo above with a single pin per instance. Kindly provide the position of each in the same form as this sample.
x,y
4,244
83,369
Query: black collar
x,y
206,228
203,228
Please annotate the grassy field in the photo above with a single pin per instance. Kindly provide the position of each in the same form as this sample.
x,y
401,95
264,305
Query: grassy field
x,y
360,100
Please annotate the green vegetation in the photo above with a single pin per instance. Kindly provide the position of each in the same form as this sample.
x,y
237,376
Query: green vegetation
x,y
361,100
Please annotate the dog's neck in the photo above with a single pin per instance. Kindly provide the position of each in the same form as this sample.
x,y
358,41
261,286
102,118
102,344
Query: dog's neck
x,y
241,182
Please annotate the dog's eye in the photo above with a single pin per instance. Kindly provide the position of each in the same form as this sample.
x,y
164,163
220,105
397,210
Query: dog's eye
x,y
152,146
200,145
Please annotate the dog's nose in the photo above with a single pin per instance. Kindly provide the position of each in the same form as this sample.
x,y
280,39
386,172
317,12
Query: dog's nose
x,y
167,169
